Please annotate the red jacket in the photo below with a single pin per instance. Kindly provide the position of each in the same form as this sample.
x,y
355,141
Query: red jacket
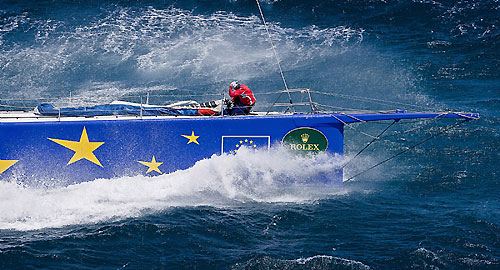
x,y
244,93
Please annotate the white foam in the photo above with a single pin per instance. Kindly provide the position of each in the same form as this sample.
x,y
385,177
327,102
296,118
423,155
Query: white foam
x,y
137,46
331,260
315,262
250,176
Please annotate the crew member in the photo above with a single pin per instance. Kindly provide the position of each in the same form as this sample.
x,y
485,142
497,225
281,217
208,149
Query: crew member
x,y
243,99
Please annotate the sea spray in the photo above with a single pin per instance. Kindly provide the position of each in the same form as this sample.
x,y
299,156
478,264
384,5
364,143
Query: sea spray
x,y
132,49
269,176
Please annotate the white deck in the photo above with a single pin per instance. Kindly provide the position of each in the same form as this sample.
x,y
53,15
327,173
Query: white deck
x,y
20,116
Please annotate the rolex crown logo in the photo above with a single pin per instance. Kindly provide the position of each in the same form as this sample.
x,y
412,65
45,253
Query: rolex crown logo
x,y
305,137
305,140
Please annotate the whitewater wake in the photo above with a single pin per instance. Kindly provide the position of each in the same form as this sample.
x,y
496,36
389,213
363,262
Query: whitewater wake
x,y
249,176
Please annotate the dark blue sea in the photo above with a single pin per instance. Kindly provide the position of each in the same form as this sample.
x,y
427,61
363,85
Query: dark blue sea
x,y
435,207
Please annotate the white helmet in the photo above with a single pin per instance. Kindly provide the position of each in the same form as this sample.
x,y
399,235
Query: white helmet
x,y
235,85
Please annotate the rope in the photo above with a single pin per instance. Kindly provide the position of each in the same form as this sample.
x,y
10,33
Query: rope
x,y
272,105
370,99
423,124
406,150
275,54
378,137
466,116
345,109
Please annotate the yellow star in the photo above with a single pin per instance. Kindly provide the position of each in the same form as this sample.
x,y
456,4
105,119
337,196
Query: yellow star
x,y
5,164
153,165
192,138
83,148
244,142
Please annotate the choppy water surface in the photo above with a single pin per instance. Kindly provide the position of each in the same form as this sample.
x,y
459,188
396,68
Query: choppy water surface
x,y
434,208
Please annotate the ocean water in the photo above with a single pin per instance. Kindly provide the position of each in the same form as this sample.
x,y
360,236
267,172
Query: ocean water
x,y
437,207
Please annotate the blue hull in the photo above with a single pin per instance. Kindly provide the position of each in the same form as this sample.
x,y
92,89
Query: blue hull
x,y
52,151
68,151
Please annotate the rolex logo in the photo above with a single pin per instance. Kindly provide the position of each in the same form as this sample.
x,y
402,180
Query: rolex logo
x,y
305,140
305,137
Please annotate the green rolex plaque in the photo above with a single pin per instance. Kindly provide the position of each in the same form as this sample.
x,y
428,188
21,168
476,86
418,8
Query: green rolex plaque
x,y
305,140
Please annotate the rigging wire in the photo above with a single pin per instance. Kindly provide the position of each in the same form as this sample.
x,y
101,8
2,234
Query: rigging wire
x,y
422,125
275,55
374,139
374,100
407,149
353,128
